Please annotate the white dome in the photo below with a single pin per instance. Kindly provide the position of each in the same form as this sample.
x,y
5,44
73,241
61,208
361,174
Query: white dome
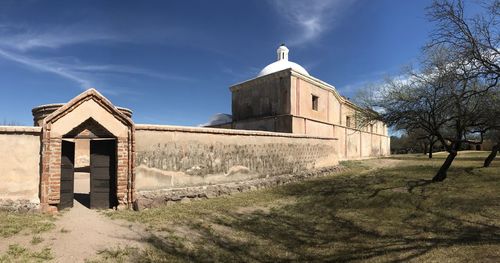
x,y
282,63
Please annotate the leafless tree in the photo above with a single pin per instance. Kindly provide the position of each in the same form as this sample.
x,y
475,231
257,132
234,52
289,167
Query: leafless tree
x,y
9,123
489,127
476,37
441,99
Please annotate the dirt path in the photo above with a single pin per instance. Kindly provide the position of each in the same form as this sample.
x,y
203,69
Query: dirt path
x,y
82,232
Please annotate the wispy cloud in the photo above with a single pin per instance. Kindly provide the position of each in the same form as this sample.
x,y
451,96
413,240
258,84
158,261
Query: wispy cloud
x,y
23,38
310,18
83,74
19,44
363,81
41,65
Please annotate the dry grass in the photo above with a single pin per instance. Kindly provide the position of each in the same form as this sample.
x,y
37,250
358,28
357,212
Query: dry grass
x,y
12,223
17,253
367,214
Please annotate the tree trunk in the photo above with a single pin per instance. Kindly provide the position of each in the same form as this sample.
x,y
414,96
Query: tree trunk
x,y
492,155
431,149
441,174
424,146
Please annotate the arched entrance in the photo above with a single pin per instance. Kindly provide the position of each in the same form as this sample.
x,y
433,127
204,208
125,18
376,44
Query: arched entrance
x,y
110,134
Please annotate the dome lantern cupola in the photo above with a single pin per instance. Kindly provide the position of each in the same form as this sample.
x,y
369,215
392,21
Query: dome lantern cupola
x,y
282,63
282,52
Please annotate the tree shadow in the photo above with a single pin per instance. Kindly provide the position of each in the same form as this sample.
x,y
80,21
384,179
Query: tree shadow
x,y
340,219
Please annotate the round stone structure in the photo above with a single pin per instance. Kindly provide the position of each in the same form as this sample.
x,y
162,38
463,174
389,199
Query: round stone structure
x,y
42,111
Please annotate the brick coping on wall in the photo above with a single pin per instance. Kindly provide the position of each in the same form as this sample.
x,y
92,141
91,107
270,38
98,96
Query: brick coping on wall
x,y
156,198
20,130
149,127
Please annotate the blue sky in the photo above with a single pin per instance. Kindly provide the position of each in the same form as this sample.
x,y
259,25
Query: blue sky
x,y
173,61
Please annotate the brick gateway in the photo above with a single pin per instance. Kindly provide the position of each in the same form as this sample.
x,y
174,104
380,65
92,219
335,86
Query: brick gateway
x,y
88,115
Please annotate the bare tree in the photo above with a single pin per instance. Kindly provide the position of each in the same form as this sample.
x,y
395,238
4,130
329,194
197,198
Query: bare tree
x,y
475,37
495,136
9,123
441,99
490,125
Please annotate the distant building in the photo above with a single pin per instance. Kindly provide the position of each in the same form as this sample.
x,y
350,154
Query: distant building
x,y
284,97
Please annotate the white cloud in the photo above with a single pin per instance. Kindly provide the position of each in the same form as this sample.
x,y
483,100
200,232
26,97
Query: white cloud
x,y
22,38
41,65
310,18
18,44
83,74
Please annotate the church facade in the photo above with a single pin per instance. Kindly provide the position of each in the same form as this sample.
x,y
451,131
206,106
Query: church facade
x,y
284,97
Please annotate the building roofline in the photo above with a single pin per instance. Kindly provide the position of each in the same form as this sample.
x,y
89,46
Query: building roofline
x,y
322,84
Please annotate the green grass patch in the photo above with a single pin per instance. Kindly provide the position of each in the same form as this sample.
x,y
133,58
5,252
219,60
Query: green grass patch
x,y
12,223
17,253
367,213
36,240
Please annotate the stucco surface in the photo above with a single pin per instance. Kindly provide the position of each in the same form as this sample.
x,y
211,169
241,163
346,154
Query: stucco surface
x,y
89,109
180,158
265,96
20,166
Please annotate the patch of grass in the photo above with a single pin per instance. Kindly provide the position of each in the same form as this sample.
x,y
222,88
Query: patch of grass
x,y
36,240
64,230
17,253
118,255
366,213
12,223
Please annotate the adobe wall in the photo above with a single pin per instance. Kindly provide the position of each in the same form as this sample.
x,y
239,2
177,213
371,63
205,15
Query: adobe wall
x,y
20,167
169,157
301,96
355,144
261,97
282,123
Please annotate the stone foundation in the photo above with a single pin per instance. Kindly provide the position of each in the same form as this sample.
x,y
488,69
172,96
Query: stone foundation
x,y
18,206
156,198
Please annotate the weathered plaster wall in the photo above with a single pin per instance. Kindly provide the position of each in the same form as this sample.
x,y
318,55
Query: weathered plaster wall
x,y
261,97
302,92
20,165
354,144
171,157
82,153
281,123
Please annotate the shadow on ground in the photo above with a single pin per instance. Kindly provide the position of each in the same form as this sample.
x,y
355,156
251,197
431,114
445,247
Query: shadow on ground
x,y
390,215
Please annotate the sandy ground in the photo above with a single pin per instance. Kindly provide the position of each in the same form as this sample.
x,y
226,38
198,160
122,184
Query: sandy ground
x,y
80,232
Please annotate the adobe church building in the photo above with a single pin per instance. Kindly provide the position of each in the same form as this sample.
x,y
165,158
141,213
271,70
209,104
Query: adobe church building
x,y
284,122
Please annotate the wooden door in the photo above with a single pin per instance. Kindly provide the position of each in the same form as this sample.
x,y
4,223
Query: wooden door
x,y
103,174
67,174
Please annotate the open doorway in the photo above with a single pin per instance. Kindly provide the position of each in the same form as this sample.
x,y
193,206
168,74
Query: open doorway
x,y
89,168
82,172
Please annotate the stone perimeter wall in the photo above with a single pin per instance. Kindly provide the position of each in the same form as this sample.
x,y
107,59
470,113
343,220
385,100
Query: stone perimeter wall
x,y
19,167
170,157
151,199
